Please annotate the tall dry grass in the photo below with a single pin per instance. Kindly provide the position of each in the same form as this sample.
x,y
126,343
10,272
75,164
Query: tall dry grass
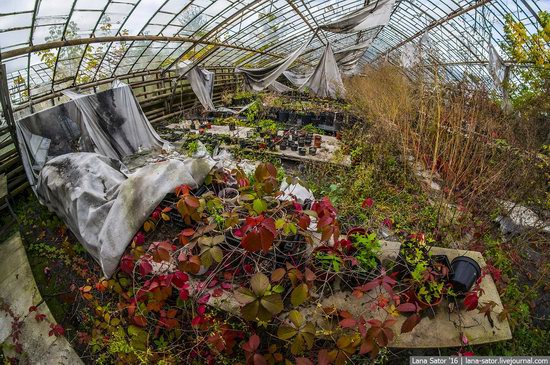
x,y
454,131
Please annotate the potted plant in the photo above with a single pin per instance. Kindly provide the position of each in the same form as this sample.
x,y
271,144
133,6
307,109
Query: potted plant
x,y
302,151
327,262
412,251
429,283
312,151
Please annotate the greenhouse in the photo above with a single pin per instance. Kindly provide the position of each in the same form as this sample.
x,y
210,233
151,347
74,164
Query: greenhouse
x,y
290,182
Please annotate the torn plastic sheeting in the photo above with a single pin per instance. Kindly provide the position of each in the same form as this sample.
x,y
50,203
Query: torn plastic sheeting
x,y
278,87
295,191
296,78
102,205
326,82
201,81
259,78
375,14
114,121
348,58
496,66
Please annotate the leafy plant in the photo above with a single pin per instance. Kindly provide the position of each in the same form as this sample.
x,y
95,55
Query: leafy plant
x,y
188,205
329,262
299,330
258,233
259,302
367,247
210,252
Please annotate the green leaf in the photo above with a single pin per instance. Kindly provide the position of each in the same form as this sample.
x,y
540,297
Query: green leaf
x,y
299,295
296,318
259,206
279,223
217,254
259,283
273,303
286,332
278,289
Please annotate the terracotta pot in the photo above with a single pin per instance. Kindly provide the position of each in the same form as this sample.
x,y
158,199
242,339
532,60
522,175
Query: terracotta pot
x,y
422,304
317,141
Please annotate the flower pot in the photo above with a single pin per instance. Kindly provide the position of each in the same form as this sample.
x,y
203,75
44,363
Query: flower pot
x,y
294,147
356,230
465,272
283,146
325,275
229,195
202,130
422,304
232,126
282,116
312,151
317,141
301,142
357,277
302,151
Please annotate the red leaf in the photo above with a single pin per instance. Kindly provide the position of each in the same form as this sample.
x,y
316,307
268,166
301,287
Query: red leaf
x,y
127,264
348,323
33,308
179,279
303,361
410,323
260,360
323,358
368,202
145,267
140,321
407,307
252,344
471,301
40,317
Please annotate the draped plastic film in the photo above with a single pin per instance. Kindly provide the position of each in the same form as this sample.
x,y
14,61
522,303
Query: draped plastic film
x,y
260,78
201,81
348,58
326,82
114,122
375,14
496,66
102,204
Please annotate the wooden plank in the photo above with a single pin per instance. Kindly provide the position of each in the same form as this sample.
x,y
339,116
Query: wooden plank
x,y
3,187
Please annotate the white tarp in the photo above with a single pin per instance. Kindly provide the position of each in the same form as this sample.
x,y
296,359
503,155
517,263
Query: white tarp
x,y
496,66
348,58
104,206
258,79
278,87
114,122
201,81
376,13
413,53
295,78
326,81
71,156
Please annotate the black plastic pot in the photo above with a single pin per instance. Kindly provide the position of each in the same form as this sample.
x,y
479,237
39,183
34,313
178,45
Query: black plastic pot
x,y
283,146
283,115
232,126
360,277
301,142
302,151
294,147
312,150
465,272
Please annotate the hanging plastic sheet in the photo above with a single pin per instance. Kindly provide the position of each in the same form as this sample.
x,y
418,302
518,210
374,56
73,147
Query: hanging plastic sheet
x,y
295,78
278,87
413,53
259,78
375,14
114,122
348,58
496,67
326,82
201,81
